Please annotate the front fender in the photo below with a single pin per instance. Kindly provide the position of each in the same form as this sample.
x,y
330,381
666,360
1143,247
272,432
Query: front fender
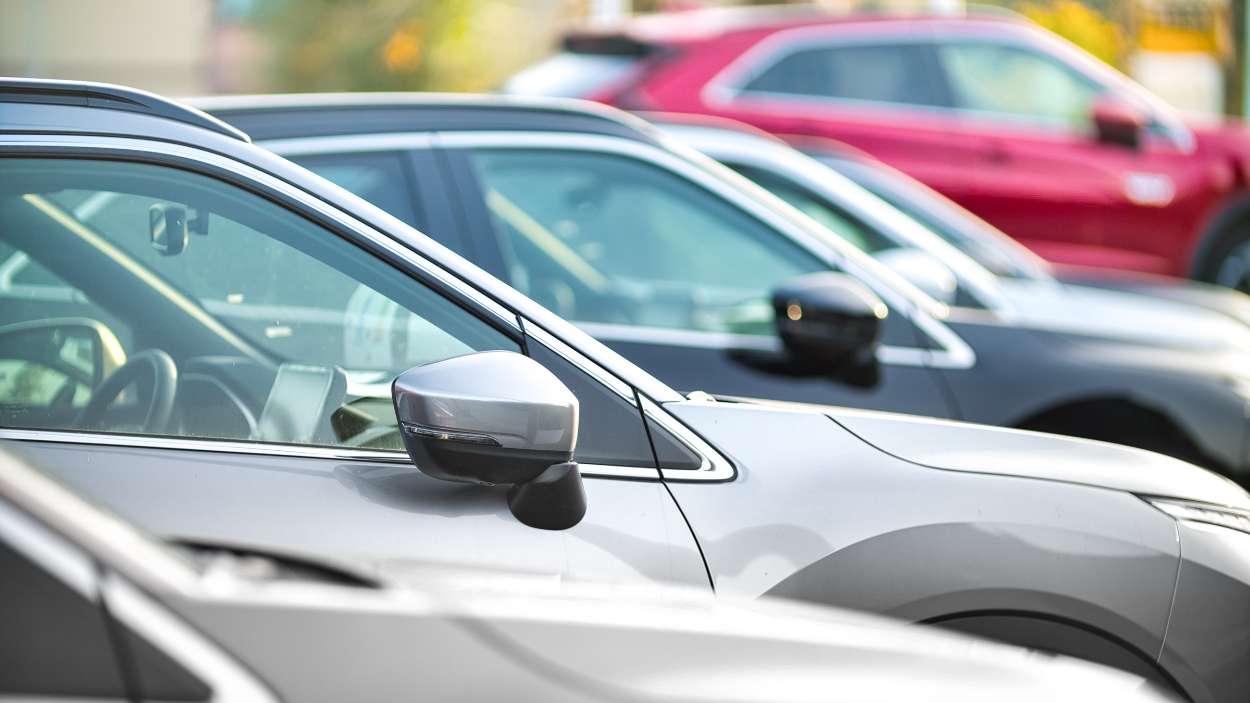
x,y
816,513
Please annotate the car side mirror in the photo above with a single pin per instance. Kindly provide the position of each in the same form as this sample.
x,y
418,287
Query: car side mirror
x,y
829,322
923,270
496,418
1118,122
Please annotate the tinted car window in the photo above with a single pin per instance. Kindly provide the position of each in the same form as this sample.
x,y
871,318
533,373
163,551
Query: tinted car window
x,y
890,73
610,429
379,178
1017,82
608,239
281,331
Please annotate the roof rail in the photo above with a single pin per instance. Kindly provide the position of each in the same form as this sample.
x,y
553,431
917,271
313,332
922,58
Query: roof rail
x,y
111,97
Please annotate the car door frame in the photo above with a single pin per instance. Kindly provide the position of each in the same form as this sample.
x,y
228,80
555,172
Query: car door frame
x,y
420,265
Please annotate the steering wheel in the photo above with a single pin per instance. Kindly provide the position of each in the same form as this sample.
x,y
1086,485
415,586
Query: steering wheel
x,y
156,364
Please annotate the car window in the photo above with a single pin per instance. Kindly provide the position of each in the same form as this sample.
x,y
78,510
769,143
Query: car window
x,y
1017,82
379,178
819,209
889,73
604,238
267,326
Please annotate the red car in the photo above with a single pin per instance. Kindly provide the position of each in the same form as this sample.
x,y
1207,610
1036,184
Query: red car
x,y
1072,158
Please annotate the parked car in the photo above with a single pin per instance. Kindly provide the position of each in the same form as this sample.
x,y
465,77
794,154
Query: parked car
x,y
215,623
677,262
364,365
996,251
1064,153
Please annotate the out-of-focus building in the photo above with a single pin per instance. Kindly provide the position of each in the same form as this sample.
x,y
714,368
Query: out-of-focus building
x,y
1181,51
159,45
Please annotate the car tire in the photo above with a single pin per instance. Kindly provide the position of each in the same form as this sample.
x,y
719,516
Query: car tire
x,y
1226,261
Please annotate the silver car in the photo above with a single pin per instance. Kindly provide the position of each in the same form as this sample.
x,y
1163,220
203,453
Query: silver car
x,y
251,355
94,609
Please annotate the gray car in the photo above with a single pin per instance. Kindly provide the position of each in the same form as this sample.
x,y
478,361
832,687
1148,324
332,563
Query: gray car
x,y
251,355
229,627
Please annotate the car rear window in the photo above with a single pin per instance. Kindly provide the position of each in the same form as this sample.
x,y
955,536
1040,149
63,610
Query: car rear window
x,y
573,75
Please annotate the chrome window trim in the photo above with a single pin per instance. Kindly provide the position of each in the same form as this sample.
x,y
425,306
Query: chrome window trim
x,y
348,143
292,451
728,86
714,465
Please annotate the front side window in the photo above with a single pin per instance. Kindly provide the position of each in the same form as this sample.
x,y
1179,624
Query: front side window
x,y
1016,82
603,238
900,73
194,308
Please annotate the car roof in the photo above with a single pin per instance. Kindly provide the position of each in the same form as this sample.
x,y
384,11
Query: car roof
x,y
331,114
689,26
51,106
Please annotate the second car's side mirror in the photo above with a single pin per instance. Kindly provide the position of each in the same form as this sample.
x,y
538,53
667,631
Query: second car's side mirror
x,y
496,418
1118,122
829,322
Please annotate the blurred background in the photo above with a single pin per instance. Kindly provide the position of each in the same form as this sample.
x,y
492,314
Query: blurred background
x,y
1190,52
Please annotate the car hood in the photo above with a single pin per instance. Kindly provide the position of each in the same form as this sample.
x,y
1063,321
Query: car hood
x,y
1225,301
1178,321
958,446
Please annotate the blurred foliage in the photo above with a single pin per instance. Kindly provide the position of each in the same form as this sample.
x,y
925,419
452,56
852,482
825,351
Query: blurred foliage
x,y
326,45
1081,24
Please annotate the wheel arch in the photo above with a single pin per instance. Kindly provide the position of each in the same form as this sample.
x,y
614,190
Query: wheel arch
x,y
1228,212
1059,635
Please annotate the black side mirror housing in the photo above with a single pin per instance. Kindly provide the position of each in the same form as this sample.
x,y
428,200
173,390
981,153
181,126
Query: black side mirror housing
x,y
828,322
1118,122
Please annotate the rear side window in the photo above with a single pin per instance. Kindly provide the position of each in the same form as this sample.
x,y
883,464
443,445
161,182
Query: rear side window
x,y
379,178
572,75
888,73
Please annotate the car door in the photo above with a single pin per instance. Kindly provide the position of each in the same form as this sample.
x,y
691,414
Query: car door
x,y
263,343
1042,175
880,93
662,268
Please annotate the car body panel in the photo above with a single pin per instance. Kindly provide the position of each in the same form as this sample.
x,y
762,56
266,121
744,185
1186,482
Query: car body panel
x,y
256,629
1215,570
818,522
633,531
